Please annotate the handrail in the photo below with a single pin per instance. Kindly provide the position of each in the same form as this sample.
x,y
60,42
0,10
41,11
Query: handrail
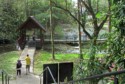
x,y
51,74
47,68
5,77
97,76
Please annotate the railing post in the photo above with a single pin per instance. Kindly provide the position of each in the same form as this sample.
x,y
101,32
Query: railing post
x,y
51,75
2,77
6,79
124,64
46,76
40,79
58,74
116,80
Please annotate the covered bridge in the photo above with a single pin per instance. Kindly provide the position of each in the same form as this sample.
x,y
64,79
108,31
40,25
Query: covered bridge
x,y
31,31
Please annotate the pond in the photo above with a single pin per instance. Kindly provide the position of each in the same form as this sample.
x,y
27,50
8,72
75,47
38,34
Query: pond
x,y
62,48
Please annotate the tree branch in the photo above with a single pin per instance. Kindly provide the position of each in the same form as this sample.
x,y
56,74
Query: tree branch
x,y
73,18
90,9
103,22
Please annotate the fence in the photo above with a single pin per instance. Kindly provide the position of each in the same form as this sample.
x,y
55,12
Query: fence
x,y
87,78
57,73
4,77
99,76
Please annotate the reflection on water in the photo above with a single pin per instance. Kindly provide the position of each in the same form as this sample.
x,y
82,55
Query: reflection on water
x,y
74,49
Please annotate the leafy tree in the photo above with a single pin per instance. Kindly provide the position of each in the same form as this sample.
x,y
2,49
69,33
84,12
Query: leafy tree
x,y
98,19
116,40
96,25
8,20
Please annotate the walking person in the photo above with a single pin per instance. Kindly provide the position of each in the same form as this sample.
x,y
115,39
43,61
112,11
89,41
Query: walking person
x,y
18,67
28,62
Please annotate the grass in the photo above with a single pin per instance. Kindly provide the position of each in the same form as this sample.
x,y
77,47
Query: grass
x,y
43,57
8,61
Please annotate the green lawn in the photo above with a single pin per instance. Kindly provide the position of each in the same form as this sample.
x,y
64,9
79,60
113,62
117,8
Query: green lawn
x,y
43,57
8,61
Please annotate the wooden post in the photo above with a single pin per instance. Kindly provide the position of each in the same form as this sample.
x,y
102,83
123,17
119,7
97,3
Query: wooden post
x,y
58,74
8,79
46,76
2,77
116,80
40,80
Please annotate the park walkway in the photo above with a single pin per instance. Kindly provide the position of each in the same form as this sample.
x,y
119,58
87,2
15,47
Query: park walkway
x,y
30,78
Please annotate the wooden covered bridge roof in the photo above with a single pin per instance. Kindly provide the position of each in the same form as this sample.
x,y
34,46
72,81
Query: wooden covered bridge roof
x,y
31,23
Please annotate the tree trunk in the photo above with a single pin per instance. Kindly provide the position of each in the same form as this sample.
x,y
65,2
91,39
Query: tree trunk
x,y
97,6
109,22
79,29
52,32
26,9
95,36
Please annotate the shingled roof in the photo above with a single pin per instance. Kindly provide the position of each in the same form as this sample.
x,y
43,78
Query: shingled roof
x,y
31,23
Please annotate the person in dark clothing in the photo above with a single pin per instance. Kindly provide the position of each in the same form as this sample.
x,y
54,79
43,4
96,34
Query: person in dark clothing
x,y
18,67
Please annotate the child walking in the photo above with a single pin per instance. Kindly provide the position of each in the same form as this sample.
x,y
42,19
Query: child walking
x,y
18,67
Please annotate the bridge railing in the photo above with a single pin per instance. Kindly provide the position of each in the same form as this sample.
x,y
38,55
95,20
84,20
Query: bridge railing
x,y
98,76
4,77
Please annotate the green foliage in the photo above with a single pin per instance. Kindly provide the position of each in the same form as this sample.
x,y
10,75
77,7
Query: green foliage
x,y
14,12
8,20
93,64
86,68
59,31
116,39
62,15
115,51
98,15
65,3
8,62
101,4
119,17
115,47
